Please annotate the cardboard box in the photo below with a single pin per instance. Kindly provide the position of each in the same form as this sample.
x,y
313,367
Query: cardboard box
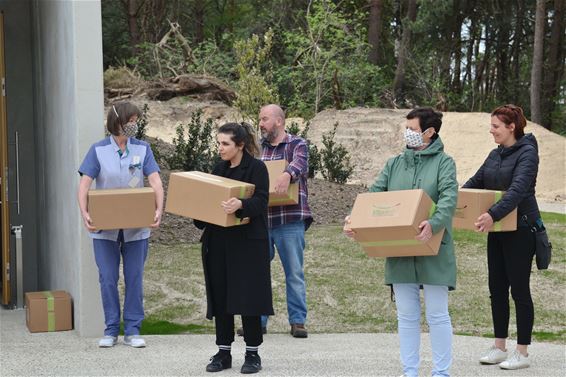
x,y
122,208
48,311
275,168
198,195
386,223
474,202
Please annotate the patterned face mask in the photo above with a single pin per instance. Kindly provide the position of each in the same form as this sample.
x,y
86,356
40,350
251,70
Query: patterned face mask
x,y
130,129
413,139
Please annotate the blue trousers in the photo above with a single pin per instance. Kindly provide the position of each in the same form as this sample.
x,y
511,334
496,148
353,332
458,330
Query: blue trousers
x,y
407,299
107,254
289,239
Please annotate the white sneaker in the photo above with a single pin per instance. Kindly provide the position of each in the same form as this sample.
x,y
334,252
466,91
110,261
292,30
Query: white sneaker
x,y
107,341
493,356
135,341
516,361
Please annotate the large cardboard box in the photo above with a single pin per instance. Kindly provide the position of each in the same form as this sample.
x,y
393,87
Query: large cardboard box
x,y
474,202
198,195
122,208
48,311
386,223
275,168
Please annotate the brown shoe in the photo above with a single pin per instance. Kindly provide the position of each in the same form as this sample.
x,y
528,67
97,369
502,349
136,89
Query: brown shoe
x,y
298,330
240,331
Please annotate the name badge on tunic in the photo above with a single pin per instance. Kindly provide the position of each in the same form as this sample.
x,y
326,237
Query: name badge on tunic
x,y
135,160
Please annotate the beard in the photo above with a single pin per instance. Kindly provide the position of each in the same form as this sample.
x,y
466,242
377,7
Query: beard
x,y
269,135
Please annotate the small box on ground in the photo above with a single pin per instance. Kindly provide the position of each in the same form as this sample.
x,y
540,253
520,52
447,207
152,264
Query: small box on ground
x,y
474,202
48,311
275,168
198,195
122,208
386,223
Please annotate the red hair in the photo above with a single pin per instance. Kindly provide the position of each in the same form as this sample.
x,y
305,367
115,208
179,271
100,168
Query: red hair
x,y
512,114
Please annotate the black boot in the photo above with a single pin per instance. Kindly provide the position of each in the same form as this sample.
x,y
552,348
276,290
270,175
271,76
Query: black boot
x,y
219,362
252,363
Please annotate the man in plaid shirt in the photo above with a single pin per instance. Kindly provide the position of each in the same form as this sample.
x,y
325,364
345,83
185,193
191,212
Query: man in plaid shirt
x,y
287,224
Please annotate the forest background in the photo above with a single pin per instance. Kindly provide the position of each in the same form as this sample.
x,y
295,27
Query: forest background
x,y
309,55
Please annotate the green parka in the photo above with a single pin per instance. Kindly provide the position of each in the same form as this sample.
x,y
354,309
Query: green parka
x,y
435,172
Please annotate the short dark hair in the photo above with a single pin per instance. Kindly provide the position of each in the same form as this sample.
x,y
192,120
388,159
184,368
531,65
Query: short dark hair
x,y
119,114
428,117
512,114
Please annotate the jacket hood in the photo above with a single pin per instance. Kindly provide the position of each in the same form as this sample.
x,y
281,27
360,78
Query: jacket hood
x,y
527,139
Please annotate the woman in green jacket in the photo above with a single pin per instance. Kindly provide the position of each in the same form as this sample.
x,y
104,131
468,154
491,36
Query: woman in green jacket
x,y
423,165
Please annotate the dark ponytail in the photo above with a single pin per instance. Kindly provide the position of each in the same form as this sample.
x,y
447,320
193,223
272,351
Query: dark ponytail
x,y
242,133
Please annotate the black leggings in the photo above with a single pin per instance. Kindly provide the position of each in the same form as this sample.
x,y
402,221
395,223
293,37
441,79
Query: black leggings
x,y
509,261
225,330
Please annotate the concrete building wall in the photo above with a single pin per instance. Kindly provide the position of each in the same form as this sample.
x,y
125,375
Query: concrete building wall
x,y
69,116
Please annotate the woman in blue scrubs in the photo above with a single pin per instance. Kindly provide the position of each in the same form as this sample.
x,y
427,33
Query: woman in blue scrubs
x,y
120,161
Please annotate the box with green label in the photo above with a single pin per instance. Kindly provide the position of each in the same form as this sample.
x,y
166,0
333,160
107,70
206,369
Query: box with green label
x,y
48,311
472,203
386,223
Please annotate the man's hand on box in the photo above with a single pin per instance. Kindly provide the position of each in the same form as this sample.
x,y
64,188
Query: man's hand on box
x,y
347,230
426,232
484,223
156,219
282,183
231,205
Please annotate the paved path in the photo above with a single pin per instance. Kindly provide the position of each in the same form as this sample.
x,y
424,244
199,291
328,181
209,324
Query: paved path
x,y
67,354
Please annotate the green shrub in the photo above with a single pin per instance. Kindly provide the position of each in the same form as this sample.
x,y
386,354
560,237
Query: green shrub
x,y
197,150
335,159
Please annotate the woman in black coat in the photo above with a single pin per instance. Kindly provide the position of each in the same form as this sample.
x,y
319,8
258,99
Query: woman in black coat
x,y
511,167
236,259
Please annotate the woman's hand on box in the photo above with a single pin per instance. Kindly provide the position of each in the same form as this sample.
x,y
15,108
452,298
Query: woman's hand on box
x,y
156,219
88,222
484,223
426,232
347,230
231,205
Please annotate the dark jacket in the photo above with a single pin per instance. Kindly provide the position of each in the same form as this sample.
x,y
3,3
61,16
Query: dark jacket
x,y
248,274
513,170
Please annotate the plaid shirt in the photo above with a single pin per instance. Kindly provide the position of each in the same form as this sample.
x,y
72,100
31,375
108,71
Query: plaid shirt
x,y
293,149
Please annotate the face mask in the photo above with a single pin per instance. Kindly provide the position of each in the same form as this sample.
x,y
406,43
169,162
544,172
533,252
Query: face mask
x,y
130,129
413,139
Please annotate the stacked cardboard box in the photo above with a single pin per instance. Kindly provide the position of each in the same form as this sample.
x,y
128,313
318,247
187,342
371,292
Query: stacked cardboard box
x,y
122,208
199,195
474,202
386,223
48,311
275,168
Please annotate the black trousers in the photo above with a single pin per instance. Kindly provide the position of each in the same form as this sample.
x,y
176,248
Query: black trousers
x,y
509,261
224,321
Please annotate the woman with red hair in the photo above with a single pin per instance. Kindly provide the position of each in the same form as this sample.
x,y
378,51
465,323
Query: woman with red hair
x,y
511,167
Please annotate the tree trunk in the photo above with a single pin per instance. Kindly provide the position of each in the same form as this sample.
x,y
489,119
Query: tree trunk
x,y
132,8
457,50
399,82
374,30
199,11
536,72
554,67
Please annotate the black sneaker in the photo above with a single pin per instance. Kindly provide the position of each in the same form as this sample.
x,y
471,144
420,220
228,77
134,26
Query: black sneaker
x,y
219,362
252,363
240,331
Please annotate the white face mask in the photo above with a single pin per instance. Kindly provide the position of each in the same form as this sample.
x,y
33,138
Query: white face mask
x,y
414,139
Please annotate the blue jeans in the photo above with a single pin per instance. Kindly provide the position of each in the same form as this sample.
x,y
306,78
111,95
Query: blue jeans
x,y
107,254
289,239
407,299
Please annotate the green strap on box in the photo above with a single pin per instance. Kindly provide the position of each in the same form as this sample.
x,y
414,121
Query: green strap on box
x,y
50,310
497,224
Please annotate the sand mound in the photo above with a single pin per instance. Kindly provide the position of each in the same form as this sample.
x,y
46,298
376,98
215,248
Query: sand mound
x,y
374,135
